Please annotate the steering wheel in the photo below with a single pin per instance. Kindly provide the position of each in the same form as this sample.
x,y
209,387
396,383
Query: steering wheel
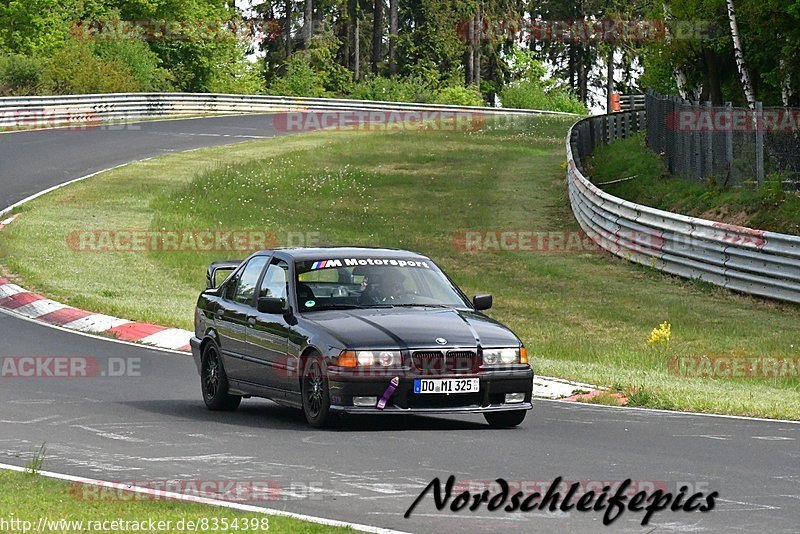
x,y
409,296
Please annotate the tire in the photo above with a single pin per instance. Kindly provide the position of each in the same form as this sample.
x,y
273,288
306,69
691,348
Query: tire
x,y
214,382
508,419
315,392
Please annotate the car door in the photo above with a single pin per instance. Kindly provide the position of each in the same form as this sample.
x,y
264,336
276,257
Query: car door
x,y
232,316
268,334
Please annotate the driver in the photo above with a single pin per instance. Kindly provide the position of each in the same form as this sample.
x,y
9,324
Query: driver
x,y
380,285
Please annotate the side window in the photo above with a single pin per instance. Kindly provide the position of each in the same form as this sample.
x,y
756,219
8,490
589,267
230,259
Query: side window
x,y
275,280
230,287
246,287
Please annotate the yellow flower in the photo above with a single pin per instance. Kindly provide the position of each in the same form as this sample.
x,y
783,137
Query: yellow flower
x,y
661,334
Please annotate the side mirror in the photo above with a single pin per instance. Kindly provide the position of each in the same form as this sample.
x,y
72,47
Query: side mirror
x,y
272,305
482,302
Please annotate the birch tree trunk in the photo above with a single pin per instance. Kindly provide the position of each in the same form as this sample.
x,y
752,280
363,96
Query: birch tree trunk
x,y
357,49
680,75
609,79
738,54
786,84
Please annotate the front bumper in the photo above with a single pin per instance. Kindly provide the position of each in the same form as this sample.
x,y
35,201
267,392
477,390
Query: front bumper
x,y
494,385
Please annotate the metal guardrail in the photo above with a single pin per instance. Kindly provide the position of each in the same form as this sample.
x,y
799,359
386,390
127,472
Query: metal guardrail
x,y
756,262
77,109
751,261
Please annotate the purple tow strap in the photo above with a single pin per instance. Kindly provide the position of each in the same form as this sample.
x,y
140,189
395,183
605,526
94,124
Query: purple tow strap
x,y
388,393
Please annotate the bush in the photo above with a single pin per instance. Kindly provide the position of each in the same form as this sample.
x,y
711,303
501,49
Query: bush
x,y
321,55
138,60
393,90
22,76
560,100
532,89
459,96
75,69
300,80
532,95
240,78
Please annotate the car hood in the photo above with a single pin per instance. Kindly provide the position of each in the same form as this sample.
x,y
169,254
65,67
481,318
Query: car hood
x,y
413,328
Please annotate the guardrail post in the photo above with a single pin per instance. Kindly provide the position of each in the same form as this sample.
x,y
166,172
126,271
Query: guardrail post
x,y
628,127
697,153
612,128
759,144
709,167
668,146
729,141
686,147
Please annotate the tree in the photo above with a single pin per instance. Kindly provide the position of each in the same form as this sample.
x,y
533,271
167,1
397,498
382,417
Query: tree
x,y
308,23
393,16
377,35
747,84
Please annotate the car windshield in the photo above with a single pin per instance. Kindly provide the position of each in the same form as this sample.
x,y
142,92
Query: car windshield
x,y
373,283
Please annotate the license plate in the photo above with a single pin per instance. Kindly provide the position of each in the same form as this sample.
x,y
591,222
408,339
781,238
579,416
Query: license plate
x,y
447,385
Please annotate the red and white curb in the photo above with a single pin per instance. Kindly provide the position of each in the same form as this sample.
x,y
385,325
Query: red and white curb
x,y
33,306
6,222
22,302
557,388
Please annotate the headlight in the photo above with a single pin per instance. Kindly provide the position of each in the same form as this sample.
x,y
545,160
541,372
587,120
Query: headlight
x,y
365,357
371,358
387,358
498,356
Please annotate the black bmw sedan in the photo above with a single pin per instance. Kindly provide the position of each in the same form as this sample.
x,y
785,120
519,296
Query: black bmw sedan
x,y
355,331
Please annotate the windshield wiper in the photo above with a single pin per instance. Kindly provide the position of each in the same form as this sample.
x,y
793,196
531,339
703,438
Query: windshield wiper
x,y
420,306
346,307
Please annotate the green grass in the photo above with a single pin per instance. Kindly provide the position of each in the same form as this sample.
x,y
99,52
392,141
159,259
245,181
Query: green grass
x,y
769,208
28,497
584,316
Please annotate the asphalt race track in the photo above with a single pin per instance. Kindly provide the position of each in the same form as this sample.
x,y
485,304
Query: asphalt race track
x,y
155,426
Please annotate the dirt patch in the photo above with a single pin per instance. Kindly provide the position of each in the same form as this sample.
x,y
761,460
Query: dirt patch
x,y
725,215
